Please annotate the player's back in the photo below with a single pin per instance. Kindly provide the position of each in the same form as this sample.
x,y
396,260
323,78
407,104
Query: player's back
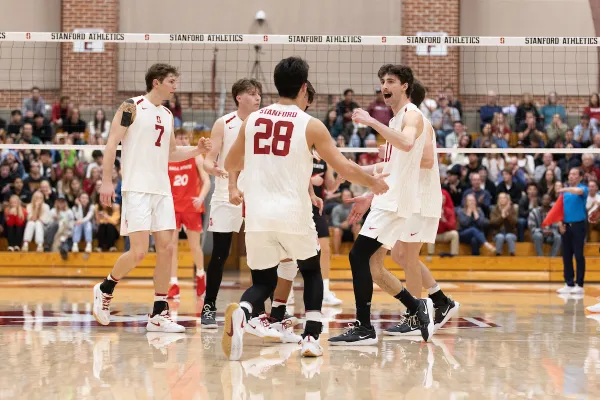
x,y
146,147
429,185
278,165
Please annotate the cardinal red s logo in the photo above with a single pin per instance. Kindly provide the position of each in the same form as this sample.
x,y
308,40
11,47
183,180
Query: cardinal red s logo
x,y
146,37
158,119
28,35
266,38
383,39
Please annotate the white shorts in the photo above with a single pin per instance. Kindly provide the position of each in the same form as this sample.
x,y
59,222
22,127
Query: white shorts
x,y
146,212
424,227
225,217
385,226
266,249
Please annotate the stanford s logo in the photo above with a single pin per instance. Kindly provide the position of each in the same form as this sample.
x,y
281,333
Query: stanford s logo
x,y
158,119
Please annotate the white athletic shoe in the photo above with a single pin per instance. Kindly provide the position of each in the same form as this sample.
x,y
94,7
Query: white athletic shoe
x,y
261,327
101,310
40,248
88,247
232,342
330,299
286,329
311,347
291,300
25,247
163,323
75,248
577,290
595,308
565,289
311,367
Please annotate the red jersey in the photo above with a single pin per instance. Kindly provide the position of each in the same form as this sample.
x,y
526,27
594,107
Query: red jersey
x,y
185,184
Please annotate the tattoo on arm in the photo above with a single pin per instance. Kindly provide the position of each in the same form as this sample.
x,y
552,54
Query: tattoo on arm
x,y
128,108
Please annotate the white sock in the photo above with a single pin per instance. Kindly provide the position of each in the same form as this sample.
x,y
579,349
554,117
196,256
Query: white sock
x,y
160,297
326,285
173,280
433,289
199,272
247,306
313,316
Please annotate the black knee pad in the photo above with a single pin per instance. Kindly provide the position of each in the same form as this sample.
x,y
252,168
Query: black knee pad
x,y
313,263
221,245
362,250
265,277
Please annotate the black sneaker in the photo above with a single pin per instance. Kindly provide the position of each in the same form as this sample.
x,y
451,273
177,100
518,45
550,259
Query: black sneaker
x,y
208,318
444,313
356,335
64,250
408,326
425,317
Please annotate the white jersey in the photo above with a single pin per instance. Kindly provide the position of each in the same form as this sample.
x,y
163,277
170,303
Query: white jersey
x,y
429,185
404,169
146,147
231,128
278,165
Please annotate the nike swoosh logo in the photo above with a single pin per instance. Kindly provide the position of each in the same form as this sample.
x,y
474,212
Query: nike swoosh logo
x,y
144,108
446,313
230,333
154,323
251,326
231,127
372,229
426,312
413,234
363,337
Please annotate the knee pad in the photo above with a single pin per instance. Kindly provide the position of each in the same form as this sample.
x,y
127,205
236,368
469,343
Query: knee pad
x,y
287,270
266,277
310,264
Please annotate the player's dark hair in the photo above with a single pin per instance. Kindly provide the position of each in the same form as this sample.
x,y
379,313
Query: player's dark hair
x,y
15,112
418,93
311,92
402,72
348,91
244,85
180,132
35,88
289,76
159,71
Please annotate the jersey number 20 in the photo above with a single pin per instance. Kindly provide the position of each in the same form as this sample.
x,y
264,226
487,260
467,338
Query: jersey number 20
x,y
180,180
273,129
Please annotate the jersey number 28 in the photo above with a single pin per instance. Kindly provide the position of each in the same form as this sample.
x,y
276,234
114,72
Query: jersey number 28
x,y
273,129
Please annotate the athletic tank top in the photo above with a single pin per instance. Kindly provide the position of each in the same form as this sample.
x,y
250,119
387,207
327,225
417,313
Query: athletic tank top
x,y
278,165
185,184
404,168
319,167
430,186
146,147
231,128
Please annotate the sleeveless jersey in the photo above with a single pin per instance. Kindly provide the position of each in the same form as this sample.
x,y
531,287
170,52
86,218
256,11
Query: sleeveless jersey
x,y
429,185
145,151
278,165
404,168
231,128
319,167
185,184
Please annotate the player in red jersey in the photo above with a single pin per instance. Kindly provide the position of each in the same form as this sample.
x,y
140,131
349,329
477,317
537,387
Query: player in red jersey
x,y
189,185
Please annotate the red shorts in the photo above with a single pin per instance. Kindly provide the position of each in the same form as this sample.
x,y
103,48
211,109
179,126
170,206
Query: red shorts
x,y
191,220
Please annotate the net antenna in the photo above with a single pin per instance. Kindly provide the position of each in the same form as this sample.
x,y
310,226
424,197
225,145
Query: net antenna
x,y
259,26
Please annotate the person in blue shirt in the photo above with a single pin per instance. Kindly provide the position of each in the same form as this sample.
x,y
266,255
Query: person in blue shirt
x,y
487,111
550,108
573,231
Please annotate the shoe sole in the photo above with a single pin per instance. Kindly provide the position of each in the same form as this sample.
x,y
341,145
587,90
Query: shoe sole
x,y
430,312
153,328
416,333
363,342
232,342
451,313
310,353
209,326
97,288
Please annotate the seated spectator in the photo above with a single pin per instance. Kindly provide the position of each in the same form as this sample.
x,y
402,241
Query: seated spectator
x,y
369,158
483,197
90,183
63,186
570,140
46,163
494,163
6,178
18,189
526,164
500,128
447,227
340,141
176,110
33,105
428,106
15,217
84,213
345,108
331,123
74,126
488,111
487,183
511,163
569,161
556,129
555,192
550,109
342,230
33,180
526,106
107,219
510,187
454,185
472,223
548,163
547,182
549,234
527,203
503,220
48,192
473,165
486,136
453,137
14,163
452,101
38,215
596,145
16,123
529,129
584,132
42,129
593,200
359,132
590,172
97,163
75,191
27,134
593,110
98,128
60,111
59,231
379,110
443,119
461,158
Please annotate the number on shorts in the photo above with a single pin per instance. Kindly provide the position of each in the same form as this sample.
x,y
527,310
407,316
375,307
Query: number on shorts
x,y
275,131
181,180
161,130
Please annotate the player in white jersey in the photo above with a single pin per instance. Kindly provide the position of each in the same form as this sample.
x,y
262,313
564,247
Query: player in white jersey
x,y
274,148
144,127
225,218
390,213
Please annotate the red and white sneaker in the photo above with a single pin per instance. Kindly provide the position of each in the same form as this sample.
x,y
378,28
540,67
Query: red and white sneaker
x,y
101,309
173,292
163,323
261,326
200,285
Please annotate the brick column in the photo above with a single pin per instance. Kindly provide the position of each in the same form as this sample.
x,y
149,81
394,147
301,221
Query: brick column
x,y
435,72
90,78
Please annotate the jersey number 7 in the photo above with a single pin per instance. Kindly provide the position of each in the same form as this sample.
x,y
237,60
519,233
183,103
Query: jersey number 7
x,y
273,129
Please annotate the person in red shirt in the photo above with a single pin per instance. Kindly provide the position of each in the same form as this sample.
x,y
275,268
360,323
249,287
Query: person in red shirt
x,y
370,158
60,111
447,227
590,172
15,217
379,110
189,185
593,110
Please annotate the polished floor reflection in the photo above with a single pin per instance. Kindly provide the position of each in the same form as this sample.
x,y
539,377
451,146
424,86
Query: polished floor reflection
x,y
510,341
